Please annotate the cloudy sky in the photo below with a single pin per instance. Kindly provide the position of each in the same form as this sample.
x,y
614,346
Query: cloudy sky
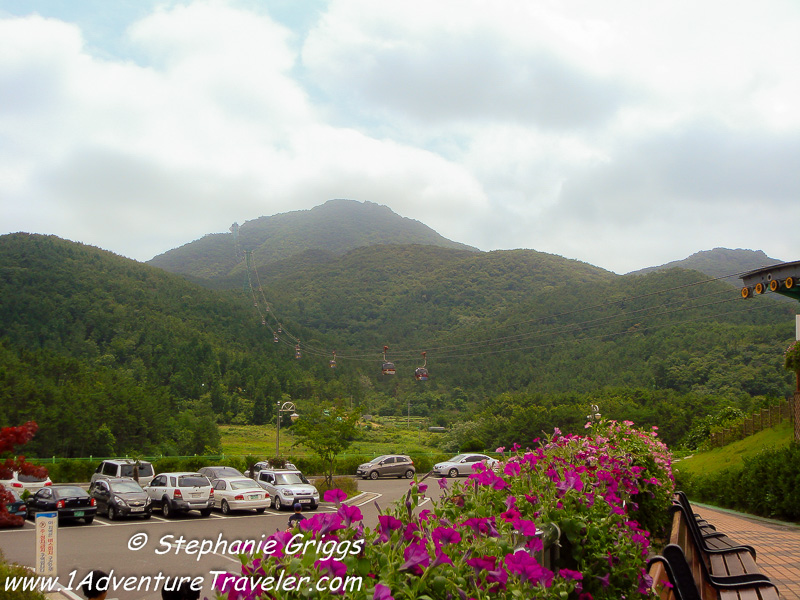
x,y
622,133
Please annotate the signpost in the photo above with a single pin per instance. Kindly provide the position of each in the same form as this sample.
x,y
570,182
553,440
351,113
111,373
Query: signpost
x,y
46,543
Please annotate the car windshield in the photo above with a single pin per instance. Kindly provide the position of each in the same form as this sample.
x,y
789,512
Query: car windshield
x,y
122,487
192,481
243,484
30,478
458,458
69,491
287,478
144,470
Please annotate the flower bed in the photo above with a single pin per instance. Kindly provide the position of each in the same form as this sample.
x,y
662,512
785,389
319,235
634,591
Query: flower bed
x,y
564,520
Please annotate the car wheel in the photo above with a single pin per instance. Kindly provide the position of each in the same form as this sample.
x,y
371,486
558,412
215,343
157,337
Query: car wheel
x,y
226,509
277,503
112,513
89,520
409,474
452,472
314,506
373,475
147,515
206,512
166,508
260,511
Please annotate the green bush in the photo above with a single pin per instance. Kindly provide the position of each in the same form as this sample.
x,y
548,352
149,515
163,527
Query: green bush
x,y
8,570
70,471
349,485
764,485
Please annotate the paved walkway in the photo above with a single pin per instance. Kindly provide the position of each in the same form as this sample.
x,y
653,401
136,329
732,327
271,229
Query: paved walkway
x,y
777,545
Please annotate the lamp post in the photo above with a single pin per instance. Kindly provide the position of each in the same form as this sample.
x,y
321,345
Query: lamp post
x,y
282,408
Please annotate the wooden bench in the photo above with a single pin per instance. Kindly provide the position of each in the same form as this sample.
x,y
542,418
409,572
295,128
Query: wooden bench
x,y
700,563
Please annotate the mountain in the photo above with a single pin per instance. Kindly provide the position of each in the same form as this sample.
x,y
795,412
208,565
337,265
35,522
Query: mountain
x,y
336,226
719,262
111,356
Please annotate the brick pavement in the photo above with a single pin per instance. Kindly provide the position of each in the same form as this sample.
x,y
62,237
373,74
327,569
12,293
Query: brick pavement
x,y
777,545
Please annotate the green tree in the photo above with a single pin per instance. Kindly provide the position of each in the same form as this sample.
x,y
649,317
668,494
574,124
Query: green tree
x,y
327,432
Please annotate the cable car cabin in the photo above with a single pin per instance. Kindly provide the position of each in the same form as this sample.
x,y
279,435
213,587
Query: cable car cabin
x,y
421,374
388,368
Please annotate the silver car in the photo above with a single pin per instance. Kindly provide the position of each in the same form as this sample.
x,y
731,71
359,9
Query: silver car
x,y
286,488
387,465
461,464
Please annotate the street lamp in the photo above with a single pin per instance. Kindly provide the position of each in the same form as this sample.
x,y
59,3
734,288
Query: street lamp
x,y
282,408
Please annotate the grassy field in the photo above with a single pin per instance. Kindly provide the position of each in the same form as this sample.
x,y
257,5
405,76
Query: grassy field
x,y
734,453
381,435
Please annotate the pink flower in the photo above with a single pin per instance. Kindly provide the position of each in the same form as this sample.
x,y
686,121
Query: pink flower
x,y
441,559
331,567
348,514
416,556
444,536
442,483
335,495
382,592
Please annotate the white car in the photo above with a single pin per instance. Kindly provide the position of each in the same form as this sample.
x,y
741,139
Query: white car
x,y
181,492
20,483
461,464
239,493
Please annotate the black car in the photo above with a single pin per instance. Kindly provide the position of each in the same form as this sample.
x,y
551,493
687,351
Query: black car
x,y
121,497
16,508
70,501
214,473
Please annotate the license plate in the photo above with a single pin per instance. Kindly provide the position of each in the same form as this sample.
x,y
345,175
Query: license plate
x,y
78,513
197,495
137,509
253,497
305,501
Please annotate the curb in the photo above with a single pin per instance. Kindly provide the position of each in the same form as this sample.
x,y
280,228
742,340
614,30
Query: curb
x,y
747,515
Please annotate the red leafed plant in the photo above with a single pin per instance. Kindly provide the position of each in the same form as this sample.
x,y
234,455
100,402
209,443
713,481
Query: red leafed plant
x,y
11,438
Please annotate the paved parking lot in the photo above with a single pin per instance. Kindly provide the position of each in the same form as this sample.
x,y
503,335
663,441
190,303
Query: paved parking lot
x,y
188,545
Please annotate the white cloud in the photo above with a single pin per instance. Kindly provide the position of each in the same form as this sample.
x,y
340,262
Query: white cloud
x,y
619,133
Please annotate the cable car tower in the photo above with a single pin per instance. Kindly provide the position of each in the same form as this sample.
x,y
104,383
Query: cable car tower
x,y
783,279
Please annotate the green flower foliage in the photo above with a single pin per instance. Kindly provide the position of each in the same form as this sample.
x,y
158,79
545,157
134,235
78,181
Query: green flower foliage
x,y
561,521
791,357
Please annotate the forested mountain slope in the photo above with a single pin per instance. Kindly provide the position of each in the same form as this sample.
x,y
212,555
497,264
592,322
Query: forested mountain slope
x,y
720,262
336,226
113,356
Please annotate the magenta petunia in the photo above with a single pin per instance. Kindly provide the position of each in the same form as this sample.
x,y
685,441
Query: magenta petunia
x,y
416,556
382,592
389,523
335,495
442,483
349,514
331,567
445,536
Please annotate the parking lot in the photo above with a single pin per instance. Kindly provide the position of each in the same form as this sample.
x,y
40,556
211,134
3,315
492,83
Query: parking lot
x,y
186,545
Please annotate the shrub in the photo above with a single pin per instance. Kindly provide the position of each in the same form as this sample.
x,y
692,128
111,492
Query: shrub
x,y
71,471
348,485
8,570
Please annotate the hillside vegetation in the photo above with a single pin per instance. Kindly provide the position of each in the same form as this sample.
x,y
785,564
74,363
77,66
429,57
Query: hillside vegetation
x,y
112,356
336,226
